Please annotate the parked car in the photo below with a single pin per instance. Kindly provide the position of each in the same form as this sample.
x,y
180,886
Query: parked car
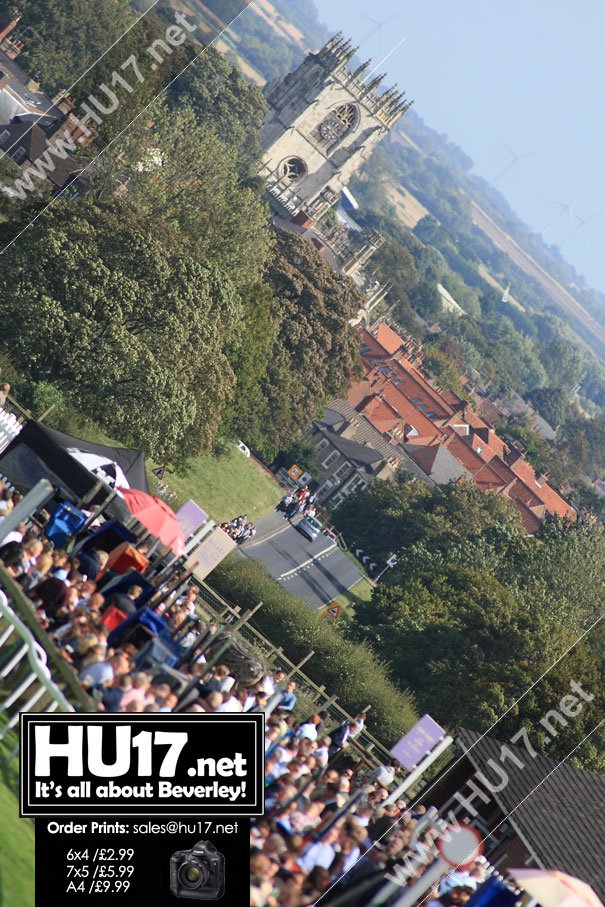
x,y
310,527
242,448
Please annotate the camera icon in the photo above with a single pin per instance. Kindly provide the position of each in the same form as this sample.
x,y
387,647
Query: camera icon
x,y
198,874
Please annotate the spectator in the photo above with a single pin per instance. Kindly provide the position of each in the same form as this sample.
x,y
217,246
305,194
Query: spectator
x,y
138,695
288,700
126,602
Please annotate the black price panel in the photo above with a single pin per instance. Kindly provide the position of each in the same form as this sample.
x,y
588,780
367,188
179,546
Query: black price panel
x,y
135,764
142,862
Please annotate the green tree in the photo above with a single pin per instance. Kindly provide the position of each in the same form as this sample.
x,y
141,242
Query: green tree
x,y
398,514
315,353
469,649
303,453
106,306
222,100
552,403
181,174
443,369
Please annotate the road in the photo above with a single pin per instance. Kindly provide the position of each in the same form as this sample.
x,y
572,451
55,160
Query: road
x,y
318,572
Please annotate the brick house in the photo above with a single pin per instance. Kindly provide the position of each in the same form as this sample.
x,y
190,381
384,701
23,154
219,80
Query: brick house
x,y
350,453
441,437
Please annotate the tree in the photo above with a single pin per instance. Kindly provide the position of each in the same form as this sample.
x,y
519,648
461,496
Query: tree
x,y
468,649
180,173
65,37
303,453
552,403
404,512
222,100
426,300
564,364
315,353
441,367
105,305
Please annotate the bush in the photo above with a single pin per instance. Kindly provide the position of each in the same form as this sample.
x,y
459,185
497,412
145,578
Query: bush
x,y
348,670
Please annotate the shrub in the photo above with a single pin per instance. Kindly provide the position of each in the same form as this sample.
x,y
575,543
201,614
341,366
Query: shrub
x,y
348,670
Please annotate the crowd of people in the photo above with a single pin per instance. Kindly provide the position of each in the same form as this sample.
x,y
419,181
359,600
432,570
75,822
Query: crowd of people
x,y
329,826
79,615
298,502
239,529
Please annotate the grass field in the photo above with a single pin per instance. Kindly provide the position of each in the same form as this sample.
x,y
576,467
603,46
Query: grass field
x,y
226,486
16,839
360,592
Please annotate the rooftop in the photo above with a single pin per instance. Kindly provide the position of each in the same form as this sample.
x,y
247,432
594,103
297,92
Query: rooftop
x,y
18,98
558,810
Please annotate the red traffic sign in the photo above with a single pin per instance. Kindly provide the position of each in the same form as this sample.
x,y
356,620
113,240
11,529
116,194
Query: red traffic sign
x,y
460,845
333,612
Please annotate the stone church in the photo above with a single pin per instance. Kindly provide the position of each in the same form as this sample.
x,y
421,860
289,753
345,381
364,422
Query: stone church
x,y
325,120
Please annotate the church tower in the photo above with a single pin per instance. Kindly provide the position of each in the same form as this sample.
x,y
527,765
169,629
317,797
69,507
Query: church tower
x,y
325,120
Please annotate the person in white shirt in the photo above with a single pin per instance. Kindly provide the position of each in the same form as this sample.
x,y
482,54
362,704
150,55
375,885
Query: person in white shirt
x,y
383,775
230,704
321,853
308,729
269,682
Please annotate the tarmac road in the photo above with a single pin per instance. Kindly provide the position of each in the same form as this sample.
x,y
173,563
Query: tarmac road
x,y
316,571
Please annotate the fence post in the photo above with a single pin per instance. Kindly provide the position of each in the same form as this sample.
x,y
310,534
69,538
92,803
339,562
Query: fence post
x,y
300,665
245,619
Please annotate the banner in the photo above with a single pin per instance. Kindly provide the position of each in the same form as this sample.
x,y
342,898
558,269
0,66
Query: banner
x,y
209,553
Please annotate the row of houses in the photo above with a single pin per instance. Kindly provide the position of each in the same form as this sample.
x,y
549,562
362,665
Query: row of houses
x,y
29,118
396,418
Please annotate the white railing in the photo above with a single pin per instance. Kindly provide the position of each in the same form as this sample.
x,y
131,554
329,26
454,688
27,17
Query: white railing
x,y
9,428
14,683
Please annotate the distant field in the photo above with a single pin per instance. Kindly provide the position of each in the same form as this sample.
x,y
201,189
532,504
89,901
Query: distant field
x,y
488,278
557,293
409,209
226,486
280,26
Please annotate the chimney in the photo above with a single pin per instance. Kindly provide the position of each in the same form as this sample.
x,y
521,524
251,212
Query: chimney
x,y
542,476
516,452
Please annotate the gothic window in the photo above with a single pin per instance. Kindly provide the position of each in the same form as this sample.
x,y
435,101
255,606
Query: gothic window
x,y
337,123
292,169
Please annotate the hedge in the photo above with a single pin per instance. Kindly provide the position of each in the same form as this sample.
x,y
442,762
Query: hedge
x,y
348,670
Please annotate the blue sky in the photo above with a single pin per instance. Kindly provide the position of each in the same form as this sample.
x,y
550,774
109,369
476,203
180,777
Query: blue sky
x,y
526,73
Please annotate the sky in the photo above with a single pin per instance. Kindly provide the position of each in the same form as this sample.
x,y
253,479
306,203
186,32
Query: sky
x,y
526,74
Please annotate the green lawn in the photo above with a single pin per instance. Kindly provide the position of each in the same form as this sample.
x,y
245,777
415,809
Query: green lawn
x,y
360,592
16,839
226,486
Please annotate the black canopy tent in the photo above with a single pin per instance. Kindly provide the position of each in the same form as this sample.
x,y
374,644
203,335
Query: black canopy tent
x,y
39,452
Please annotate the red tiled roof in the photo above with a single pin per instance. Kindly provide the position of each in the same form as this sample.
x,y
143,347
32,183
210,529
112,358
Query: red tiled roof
x,y
392,394
389,339
463,452
395,402
425,457
545,493
403,376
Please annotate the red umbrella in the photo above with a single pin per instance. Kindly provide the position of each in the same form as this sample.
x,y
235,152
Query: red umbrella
x,y
156,516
